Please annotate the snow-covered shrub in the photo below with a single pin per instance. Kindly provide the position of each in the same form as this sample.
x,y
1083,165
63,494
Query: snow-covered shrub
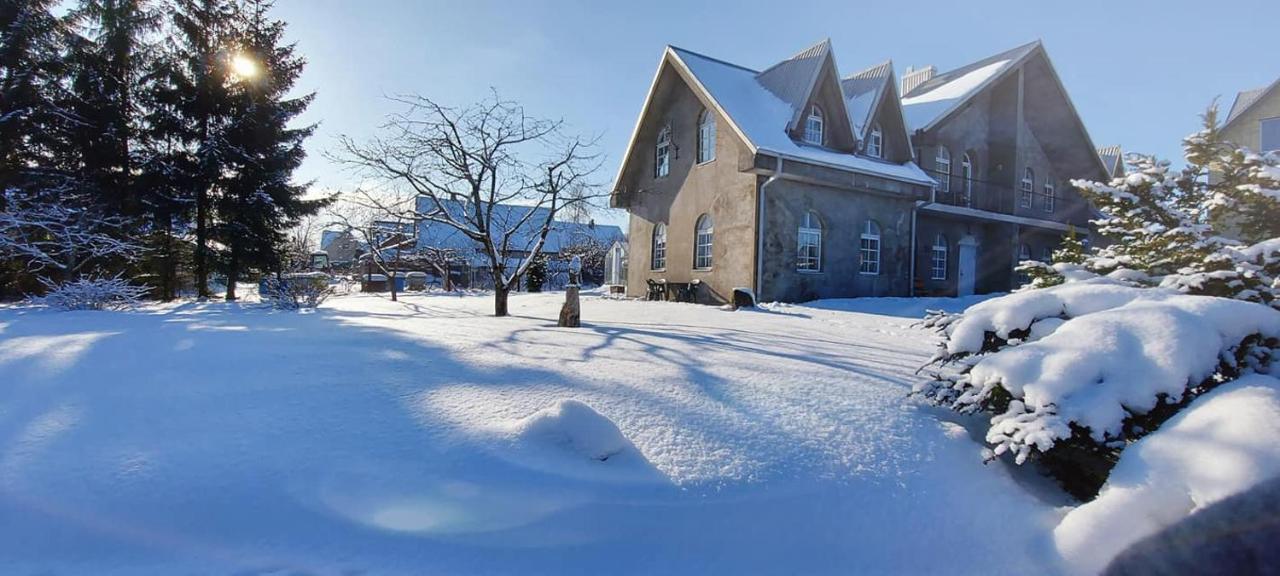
x,y
1223,444
1073,372
296,291
92,294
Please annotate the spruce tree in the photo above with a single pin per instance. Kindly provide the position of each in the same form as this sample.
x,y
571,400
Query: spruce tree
x,y
261,201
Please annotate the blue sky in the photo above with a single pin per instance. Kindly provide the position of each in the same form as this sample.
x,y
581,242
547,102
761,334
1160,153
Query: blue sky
x,y
1138,72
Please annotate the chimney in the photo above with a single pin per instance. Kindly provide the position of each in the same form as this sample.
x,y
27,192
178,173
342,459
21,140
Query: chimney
x,y
913,78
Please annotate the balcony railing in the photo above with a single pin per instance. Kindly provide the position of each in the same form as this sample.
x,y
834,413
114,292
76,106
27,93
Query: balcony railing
x,y
976,194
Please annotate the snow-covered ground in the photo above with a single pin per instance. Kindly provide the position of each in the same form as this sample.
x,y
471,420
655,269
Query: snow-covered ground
x,y
425,436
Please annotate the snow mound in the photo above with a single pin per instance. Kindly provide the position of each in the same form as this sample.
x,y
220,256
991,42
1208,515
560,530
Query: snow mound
x,y
1223,444
572,439
574,427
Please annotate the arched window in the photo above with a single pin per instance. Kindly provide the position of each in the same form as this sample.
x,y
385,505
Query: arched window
x,y
706,137
809,251
659,261
662,153
939,259
966,172
704,236
813,126
869,249
1050,200
942,165
1028,187
875,142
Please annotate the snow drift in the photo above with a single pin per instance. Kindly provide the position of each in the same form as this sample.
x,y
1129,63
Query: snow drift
x,y
571,438
1223,444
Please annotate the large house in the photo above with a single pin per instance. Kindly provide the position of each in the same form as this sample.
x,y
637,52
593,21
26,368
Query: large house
x,y
1254,119
798,182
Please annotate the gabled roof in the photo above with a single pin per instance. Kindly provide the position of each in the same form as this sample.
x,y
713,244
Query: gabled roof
x,y
793,80
1112,158
1245,100
760,117
863,92
936,98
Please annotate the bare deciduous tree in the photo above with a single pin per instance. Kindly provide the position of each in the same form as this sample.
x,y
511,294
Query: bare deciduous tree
x,y
384,223
470,164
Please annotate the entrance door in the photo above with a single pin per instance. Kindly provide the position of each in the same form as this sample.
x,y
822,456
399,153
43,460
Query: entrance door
x,y
967,264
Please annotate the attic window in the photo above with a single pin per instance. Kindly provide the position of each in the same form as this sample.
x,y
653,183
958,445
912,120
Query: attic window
x,y
875,142
706,137
813,126
662,153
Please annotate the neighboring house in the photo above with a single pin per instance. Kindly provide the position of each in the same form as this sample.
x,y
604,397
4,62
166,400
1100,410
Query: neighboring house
x,y
1254,119
1113,160
506,217
342,247
797,184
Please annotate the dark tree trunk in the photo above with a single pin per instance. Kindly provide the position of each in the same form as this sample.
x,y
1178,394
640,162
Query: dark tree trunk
x,y
500,293
233,274
391,283
202,240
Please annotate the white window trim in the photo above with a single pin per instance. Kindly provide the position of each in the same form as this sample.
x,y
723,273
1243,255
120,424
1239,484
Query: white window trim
x,y
815,117
698,234
706,137
942,158
875,142
1261,126
653,249
662,153
1028,187
1050,200
966,169
869,236
809,229
939,272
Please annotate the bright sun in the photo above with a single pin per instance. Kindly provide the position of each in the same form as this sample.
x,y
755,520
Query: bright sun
x,y
244,66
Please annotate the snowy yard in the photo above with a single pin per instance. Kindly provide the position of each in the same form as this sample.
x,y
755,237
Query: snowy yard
x,y
373,437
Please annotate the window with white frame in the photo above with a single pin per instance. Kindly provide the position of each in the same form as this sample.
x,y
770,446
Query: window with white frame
x,y
1028,187
939,259
942,165
875,142
704,236
1269,129
1024,253
706,137
659,260
809,244
869,249
1050,200
1046,255
662,153
966,171
813,126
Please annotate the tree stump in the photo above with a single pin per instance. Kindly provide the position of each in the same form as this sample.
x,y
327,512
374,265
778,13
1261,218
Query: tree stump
x,y
571,312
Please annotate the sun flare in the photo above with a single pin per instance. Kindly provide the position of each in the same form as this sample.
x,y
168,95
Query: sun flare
x,y
244,66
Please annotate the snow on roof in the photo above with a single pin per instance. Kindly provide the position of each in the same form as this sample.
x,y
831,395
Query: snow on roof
x,y
327,237
506,217
934,98
862,91
924,107
762,118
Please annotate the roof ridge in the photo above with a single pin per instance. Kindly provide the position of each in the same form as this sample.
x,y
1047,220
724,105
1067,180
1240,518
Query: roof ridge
x,y
865,73
793,57
1232,114
712,58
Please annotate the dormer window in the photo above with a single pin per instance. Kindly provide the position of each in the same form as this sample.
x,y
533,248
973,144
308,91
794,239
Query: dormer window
x,y
875,142
813,126
662,153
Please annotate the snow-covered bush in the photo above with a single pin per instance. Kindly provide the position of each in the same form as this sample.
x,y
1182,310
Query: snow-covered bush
x,y
296,291
1223,444
1073,372
92,294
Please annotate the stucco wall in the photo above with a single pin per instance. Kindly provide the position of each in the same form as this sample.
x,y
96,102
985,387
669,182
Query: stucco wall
x,y
718,188
843,214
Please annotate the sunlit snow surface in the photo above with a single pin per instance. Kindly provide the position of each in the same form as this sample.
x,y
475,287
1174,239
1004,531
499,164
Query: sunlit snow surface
x,y
427,437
